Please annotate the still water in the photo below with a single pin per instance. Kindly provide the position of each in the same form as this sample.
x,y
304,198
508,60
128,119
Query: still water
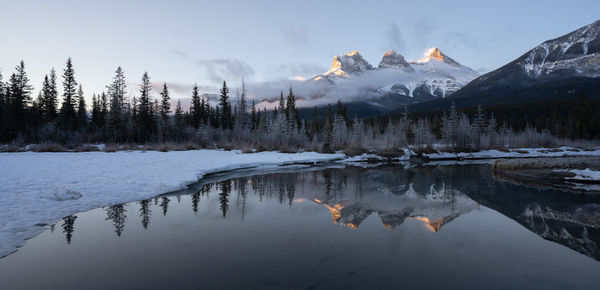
x,y
432,227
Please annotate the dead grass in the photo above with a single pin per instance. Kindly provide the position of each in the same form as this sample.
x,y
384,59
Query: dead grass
x,y
546,163
48,147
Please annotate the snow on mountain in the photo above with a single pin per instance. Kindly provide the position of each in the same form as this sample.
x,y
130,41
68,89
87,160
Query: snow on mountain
x,y
394,60
558,69
577,52
348,64
434,76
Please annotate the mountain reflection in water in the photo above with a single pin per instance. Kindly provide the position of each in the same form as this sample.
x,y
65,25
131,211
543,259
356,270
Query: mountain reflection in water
x,y
433,195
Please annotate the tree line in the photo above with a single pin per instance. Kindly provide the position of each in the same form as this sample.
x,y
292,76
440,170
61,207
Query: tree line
x,y
115,117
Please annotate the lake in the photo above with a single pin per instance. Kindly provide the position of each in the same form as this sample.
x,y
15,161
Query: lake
x,y
384,227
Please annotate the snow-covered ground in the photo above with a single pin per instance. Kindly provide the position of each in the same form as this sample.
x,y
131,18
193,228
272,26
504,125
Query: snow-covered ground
x,y
40,188
515,153
588,175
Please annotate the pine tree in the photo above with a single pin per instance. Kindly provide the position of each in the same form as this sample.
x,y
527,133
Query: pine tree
x,y
197,108
179,118
82,116
68,114
96,113
480,124
243,115
253,116
165,109
103,108
165,104
49,97
290,108
281,107
18,99
116,119
225,115
145,119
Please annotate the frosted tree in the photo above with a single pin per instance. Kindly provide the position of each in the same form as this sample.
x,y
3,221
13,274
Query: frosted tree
x,y
339,132
480,126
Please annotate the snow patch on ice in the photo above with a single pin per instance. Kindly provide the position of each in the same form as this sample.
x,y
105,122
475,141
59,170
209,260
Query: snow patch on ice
x,y
41,188
585,175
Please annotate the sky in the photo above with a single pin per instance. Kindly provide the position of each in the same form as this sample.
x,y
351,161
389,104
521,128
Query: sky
x,y
206,42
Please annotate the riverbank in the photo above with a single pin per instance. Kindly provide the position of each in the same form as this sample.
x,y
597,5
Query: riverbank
x,y
576,174
40,188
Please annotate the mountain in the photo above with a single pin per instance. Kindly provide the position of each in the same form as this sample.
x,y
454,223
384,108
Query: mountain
x,y
558,69
345,65
395,82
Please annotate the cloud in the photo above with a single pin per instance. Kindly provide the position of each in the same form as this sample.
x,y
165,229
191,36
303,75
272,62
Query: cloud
x,y
179,53
422,30
219,70
394,38
295,36
457,38
288,70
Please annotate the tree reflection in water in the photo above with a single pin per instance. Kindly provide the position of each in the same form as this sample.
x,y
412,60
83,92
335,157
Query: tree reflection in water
x,y
434,196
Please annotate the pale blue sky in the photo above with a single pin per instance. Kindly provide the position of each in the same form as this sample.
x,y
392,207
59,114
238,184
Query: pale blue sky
x,y
182,42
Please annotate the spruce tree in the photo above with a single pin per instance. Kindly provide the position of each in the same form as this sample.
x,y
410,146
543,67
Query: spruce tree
x,y
50,97
18,99
243,115
165,104
179,118
225,114
116,118
197,108
145,121
82,116
291,111
165,109
68,114
253,116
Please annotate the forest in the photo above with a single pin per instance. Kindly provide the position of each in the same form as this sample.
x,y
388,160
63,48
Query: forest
x,y
66,122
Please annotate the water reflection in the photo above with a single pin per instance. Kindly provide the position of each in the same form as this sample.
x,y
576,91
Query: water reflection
x,y
68,227
145,212
116,214
434,196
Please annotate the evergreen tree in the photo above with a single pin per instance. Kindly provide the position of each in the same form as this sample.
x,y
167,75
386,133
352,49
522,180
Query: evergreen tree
x,y
281,107
50,97
290,108
225,114
96,111
145,119
165,109
165,104
197,108
253,116
116,119
480,124
68,114
243,115
18,99
179,118
82,116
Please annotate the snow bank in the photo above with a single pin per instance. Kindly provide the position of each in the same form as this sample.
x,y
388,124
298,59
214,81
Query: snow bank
x,y
585,175
515,153
41,188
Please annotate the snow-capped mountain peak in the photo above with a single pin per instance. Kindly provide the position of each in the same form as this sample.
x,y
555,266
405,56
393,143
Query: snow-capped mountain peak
x,y
347,64
577,52
435,54
392,59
